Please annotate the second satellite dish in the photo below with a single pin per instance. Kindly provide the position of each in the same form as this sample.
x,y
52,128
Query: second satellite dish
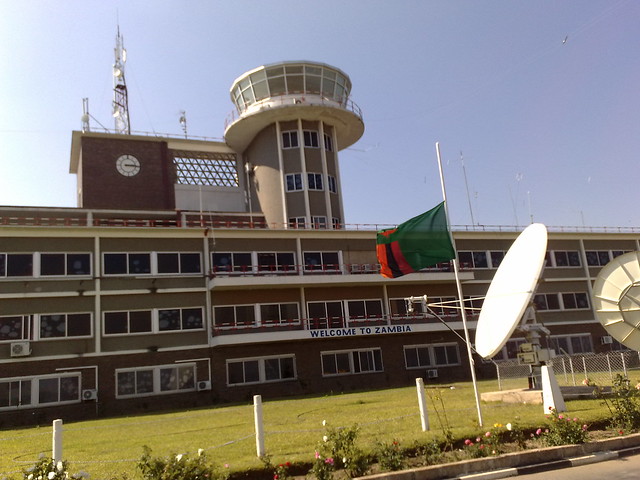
x,y
616,299
511,290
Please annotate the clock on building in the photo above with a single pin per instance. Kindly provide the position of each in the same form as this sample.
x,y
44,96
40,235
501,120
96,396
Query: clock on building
x,y
128,165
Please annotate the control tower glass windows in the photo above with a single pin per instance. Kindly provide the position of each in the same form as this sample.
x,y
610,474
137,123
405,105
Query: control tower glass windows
x,y
216,169
315,181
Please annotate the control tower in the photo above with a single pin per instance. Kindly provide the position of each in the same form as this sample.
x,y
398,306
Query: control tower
x,y
291,119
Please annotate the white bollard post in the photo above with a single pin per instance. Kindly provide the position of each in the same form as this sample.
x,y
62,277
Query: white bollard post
x,y
422,403
257,413
56,443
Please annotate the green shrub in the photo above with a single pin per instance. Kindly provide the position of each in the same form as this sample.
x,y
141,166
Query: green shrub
x,y
180,466
563,430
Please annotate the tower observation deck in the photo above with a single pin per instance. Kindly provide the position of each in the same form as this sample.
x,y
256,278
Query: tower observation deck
x,y
291,90
291,119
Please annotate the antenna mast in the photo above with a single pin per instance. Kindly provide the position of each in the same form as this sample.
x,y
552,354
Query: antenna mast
x,y
120,96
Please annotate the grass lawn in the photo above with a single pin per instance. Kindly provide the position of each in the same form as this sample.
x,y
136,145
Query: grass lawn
x,y
293,427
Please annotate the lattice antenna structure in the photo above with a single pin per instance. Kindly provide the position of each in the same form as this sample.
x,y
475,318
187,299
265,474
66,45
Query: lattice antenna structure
x,y
120,95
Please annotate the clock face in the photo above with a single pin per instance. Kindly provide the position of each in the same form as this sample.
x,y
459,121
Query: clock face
x,y
128,165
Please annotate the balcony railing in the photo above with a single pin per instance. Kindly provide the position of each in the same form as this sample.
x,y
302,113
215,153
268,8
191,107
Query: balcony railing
x,y
315,269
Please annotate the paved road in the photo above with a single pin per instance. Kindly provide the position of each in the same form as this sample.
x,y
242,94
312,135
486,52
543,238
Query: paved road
x,y
625,468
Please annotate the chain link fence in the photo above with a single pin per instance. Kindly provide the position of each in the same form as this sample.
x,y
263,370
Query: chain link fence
x,y
573,370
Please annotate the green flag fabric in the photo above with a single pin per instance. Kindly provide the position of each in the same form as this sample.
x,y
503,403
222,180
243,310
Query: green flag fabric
x,y
420,242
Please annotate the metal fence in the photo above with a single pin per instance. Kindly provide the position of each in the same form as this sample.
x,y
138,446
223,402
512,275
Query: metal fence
x,y
573,370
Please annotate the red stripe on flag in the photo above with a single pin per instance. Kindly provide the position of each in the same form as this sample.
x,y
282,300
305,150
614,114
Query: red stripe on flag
x,y
404,267
385,271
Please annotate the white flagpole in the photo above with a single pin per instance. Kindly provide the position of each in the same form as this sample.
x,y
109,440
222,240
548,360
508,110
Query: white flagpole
x,y
459,286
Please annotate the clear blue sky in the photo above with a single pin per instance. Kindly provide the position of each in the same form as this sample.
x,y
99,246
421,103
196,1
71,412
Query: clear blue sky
x,y
541,97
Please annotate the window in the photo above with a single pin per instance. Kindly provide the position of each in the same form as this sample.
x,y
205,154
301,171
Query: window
x,y
153,321
297,222
351,362
599,258
473,259
127,263
398,308
546,301
179,263
217,169
60,264
310,138
290,139
319,222
137,321
276,262
261,370
331,184
15,393
64,325
420,356
234,315
321,261
363,309
152,263
294,182
17,327
274,313
496,258
562,301
575,301
572,344
314,181
328,143
180,319
326,314
445,306
155,380
510,350
232,262
566,259
16,264
337,224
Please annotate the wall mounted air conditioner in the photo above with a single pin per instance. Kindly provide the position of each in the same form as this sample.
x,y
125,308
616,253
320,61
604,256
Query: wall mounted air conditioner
x,y
432,373
606,340
204,385
89,394
20,349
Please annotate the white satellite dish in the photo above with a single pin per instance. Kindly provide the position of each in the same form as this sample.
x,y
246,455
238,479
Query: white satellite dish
x,y
616,299
511,290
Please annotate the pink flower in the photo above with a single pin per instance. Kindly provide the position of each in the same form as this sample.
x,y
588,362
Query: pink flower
x,y
478,439
538,431
546,430
329,461
560,416
481,447
317,454
468,442
488,434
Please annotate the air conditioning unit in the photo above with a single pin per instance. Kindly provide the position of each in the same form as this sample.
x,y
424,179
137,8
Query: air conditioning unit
x,y
204,385
89,394
20,349
606,340
432,373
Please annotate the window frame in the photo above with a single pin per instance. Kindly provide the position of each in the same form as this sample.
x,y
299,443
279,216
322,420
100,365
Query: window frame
x,y
155,321
35,393
289,139
431,349
261,369
156,379
355,363
66,336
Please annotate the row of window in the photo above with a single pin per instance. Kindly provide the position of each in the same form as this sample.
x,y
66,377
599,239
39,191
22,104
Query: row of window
x,y
65,325
41,264
562,344
310,139
294,182
561,301
163,379
553,259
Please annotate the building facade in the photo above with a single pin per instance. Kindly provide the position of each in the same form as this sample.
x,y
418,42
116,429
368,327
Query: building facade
x,y
196,272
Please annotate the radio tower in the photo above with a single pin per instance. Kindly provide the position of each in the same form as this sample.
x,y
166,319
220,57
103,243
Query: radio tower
x,y
120,96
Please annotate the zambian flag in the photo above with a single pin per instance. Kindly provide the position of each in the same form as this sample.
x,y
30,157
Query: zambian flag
x,y
420,242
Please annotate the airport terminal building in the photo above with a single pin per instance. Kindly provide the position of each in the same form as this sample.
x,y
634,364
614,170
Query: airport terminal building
x,y
194,272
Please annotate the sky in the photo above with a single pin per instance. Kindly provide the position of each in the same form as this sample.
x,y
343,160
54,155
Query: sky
x,y
535,104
